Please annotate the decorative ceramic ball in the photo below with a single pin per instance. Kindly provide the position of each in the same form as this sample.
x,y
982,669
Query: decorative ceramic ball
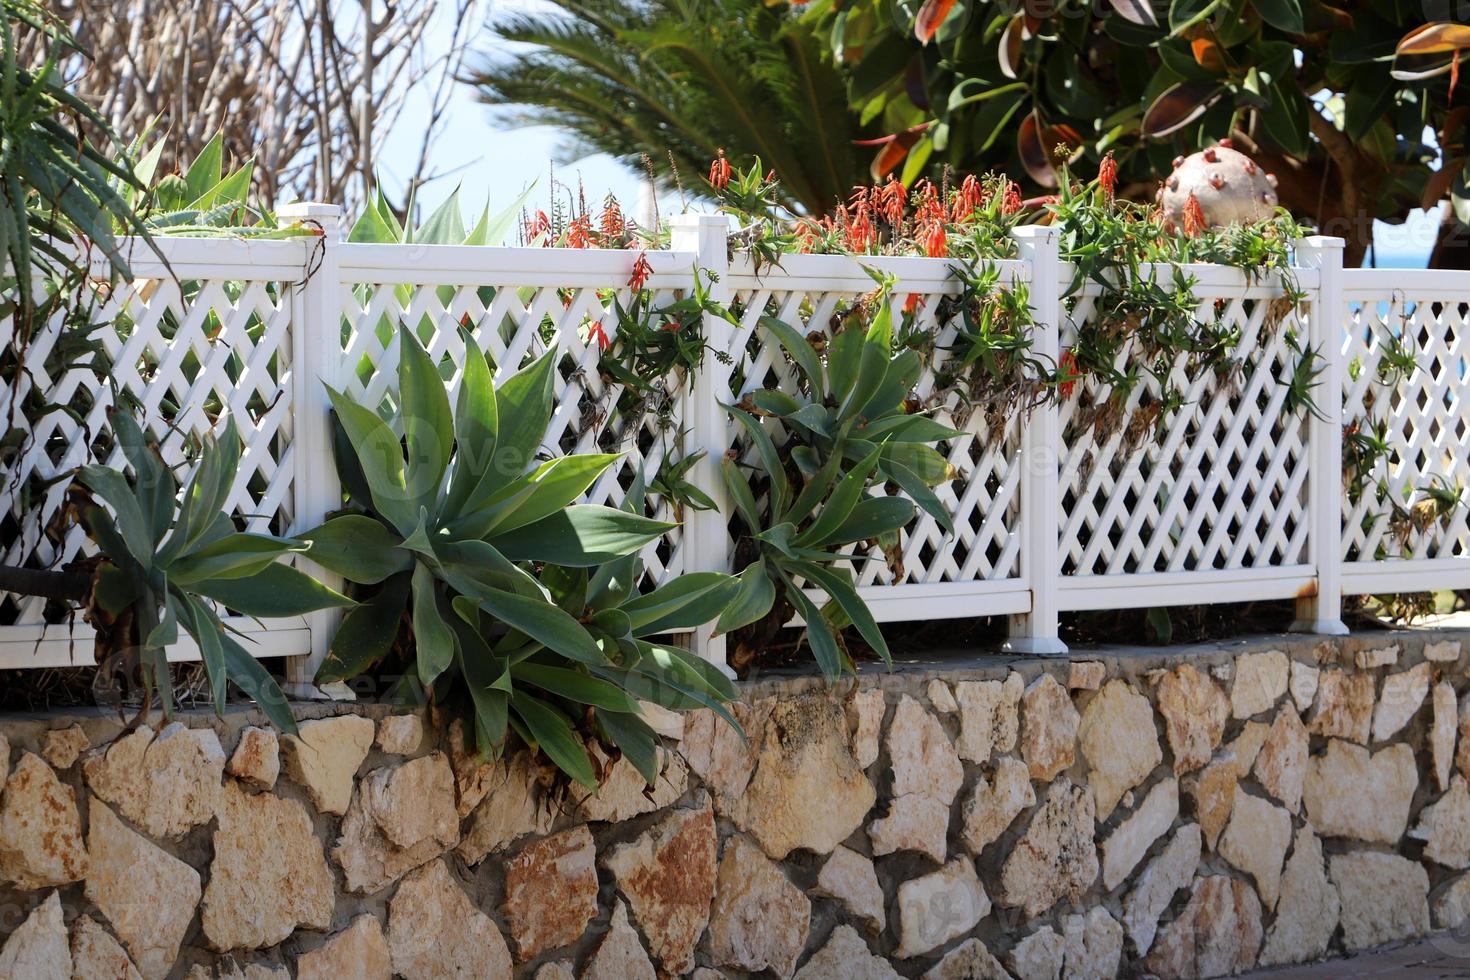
x,y
1228,185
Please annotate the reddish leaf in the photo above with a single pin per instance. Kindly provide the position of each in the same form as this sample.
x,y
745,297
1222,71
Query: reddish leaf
x,y
1438,38
1010,47
931,15
1137,11
1178,106
1060,133
1034,155
895,147
1207,54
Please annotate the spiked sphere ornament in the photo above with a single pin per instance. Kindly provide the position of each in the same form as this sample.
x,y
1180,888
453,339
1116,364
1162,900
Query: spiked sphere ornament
x,y
1228,186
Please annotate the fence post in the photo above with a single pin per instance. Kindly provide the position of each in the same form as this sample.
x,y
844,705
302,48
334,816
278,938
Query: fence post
x,y
1036,632
316,356
1322,612
706,537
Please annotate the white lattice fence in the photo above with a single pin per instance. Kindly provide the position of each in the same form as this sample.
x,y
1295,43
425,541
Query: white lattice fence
x,y
976,570
1182,477
1407,441
1234,492
202,334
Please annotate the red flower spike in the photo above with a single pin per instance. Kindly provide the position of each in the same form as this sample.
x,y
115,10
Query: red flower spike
x,y
641,271
934,239
613,226
861,235
968,199
1067,374
540,228
1010,202
595,332
719,172
579,232
1107,175
891,199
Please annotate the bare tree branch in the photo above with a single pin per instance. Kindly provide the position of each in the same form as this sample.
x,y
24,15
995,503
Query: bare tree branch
x,y
311,89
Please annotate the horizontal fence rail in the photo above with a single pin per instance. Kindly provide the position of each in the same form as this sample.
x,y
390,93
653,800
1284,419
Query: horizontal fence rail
x,y
1235,492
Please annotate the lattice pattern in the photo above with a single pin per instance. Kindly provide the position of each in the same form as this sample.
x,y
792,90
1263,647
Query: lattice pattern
x,y
514,325
1218,483
182,355
1405,384
982,500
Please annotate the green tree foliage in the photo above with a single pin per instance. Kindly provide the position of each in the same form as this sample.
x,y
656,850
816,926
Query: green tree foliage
x,y
682,79
1311,90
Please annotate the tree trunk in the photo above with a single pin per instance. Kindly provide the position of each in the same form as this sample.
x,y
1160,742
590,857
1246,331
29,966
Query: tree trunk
x,y
62,585
1451,245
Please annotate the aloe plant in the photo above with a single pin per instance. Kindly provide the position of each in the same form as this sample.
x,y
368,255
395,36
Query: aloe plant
x,y
509,586
849,433
165,555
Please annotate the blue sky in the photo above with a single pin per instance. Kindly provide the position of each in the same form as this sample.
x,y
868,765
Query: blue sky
x,y
495,163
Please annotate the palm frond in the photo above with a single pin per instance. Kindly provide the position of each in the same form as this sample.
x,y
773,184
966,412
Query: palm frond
x,y
682,79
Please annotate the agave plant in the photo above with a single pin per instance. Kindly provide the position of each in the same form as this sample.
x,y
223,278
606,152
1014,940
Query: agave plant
x,y
849,433
165,555
485,550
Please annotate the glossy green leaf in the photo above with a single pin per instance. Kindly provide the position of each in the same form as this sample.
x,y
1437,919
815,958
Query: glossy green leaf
x,y
690,600
800,351
819,635
845,495
553,734
236,555
552,486
367,632
476,426
919,491
154,486
523,407
488,680
427,421
771,462
581,535
205,628
740,493
838,586
357,547
1284,15
380,456
573,685
248,675
432,637
871,517
752,600
111,487
543,622
275,591
639,743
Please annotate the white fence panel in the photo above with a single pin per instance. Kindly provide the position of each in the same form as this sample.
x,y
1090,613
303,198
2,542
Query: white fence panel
x,y
202,333
1404,346
1171,503
977,570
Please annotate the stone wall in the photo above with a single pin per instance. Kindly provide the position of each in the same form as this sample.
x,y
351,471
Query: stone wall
x,y
1187,814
